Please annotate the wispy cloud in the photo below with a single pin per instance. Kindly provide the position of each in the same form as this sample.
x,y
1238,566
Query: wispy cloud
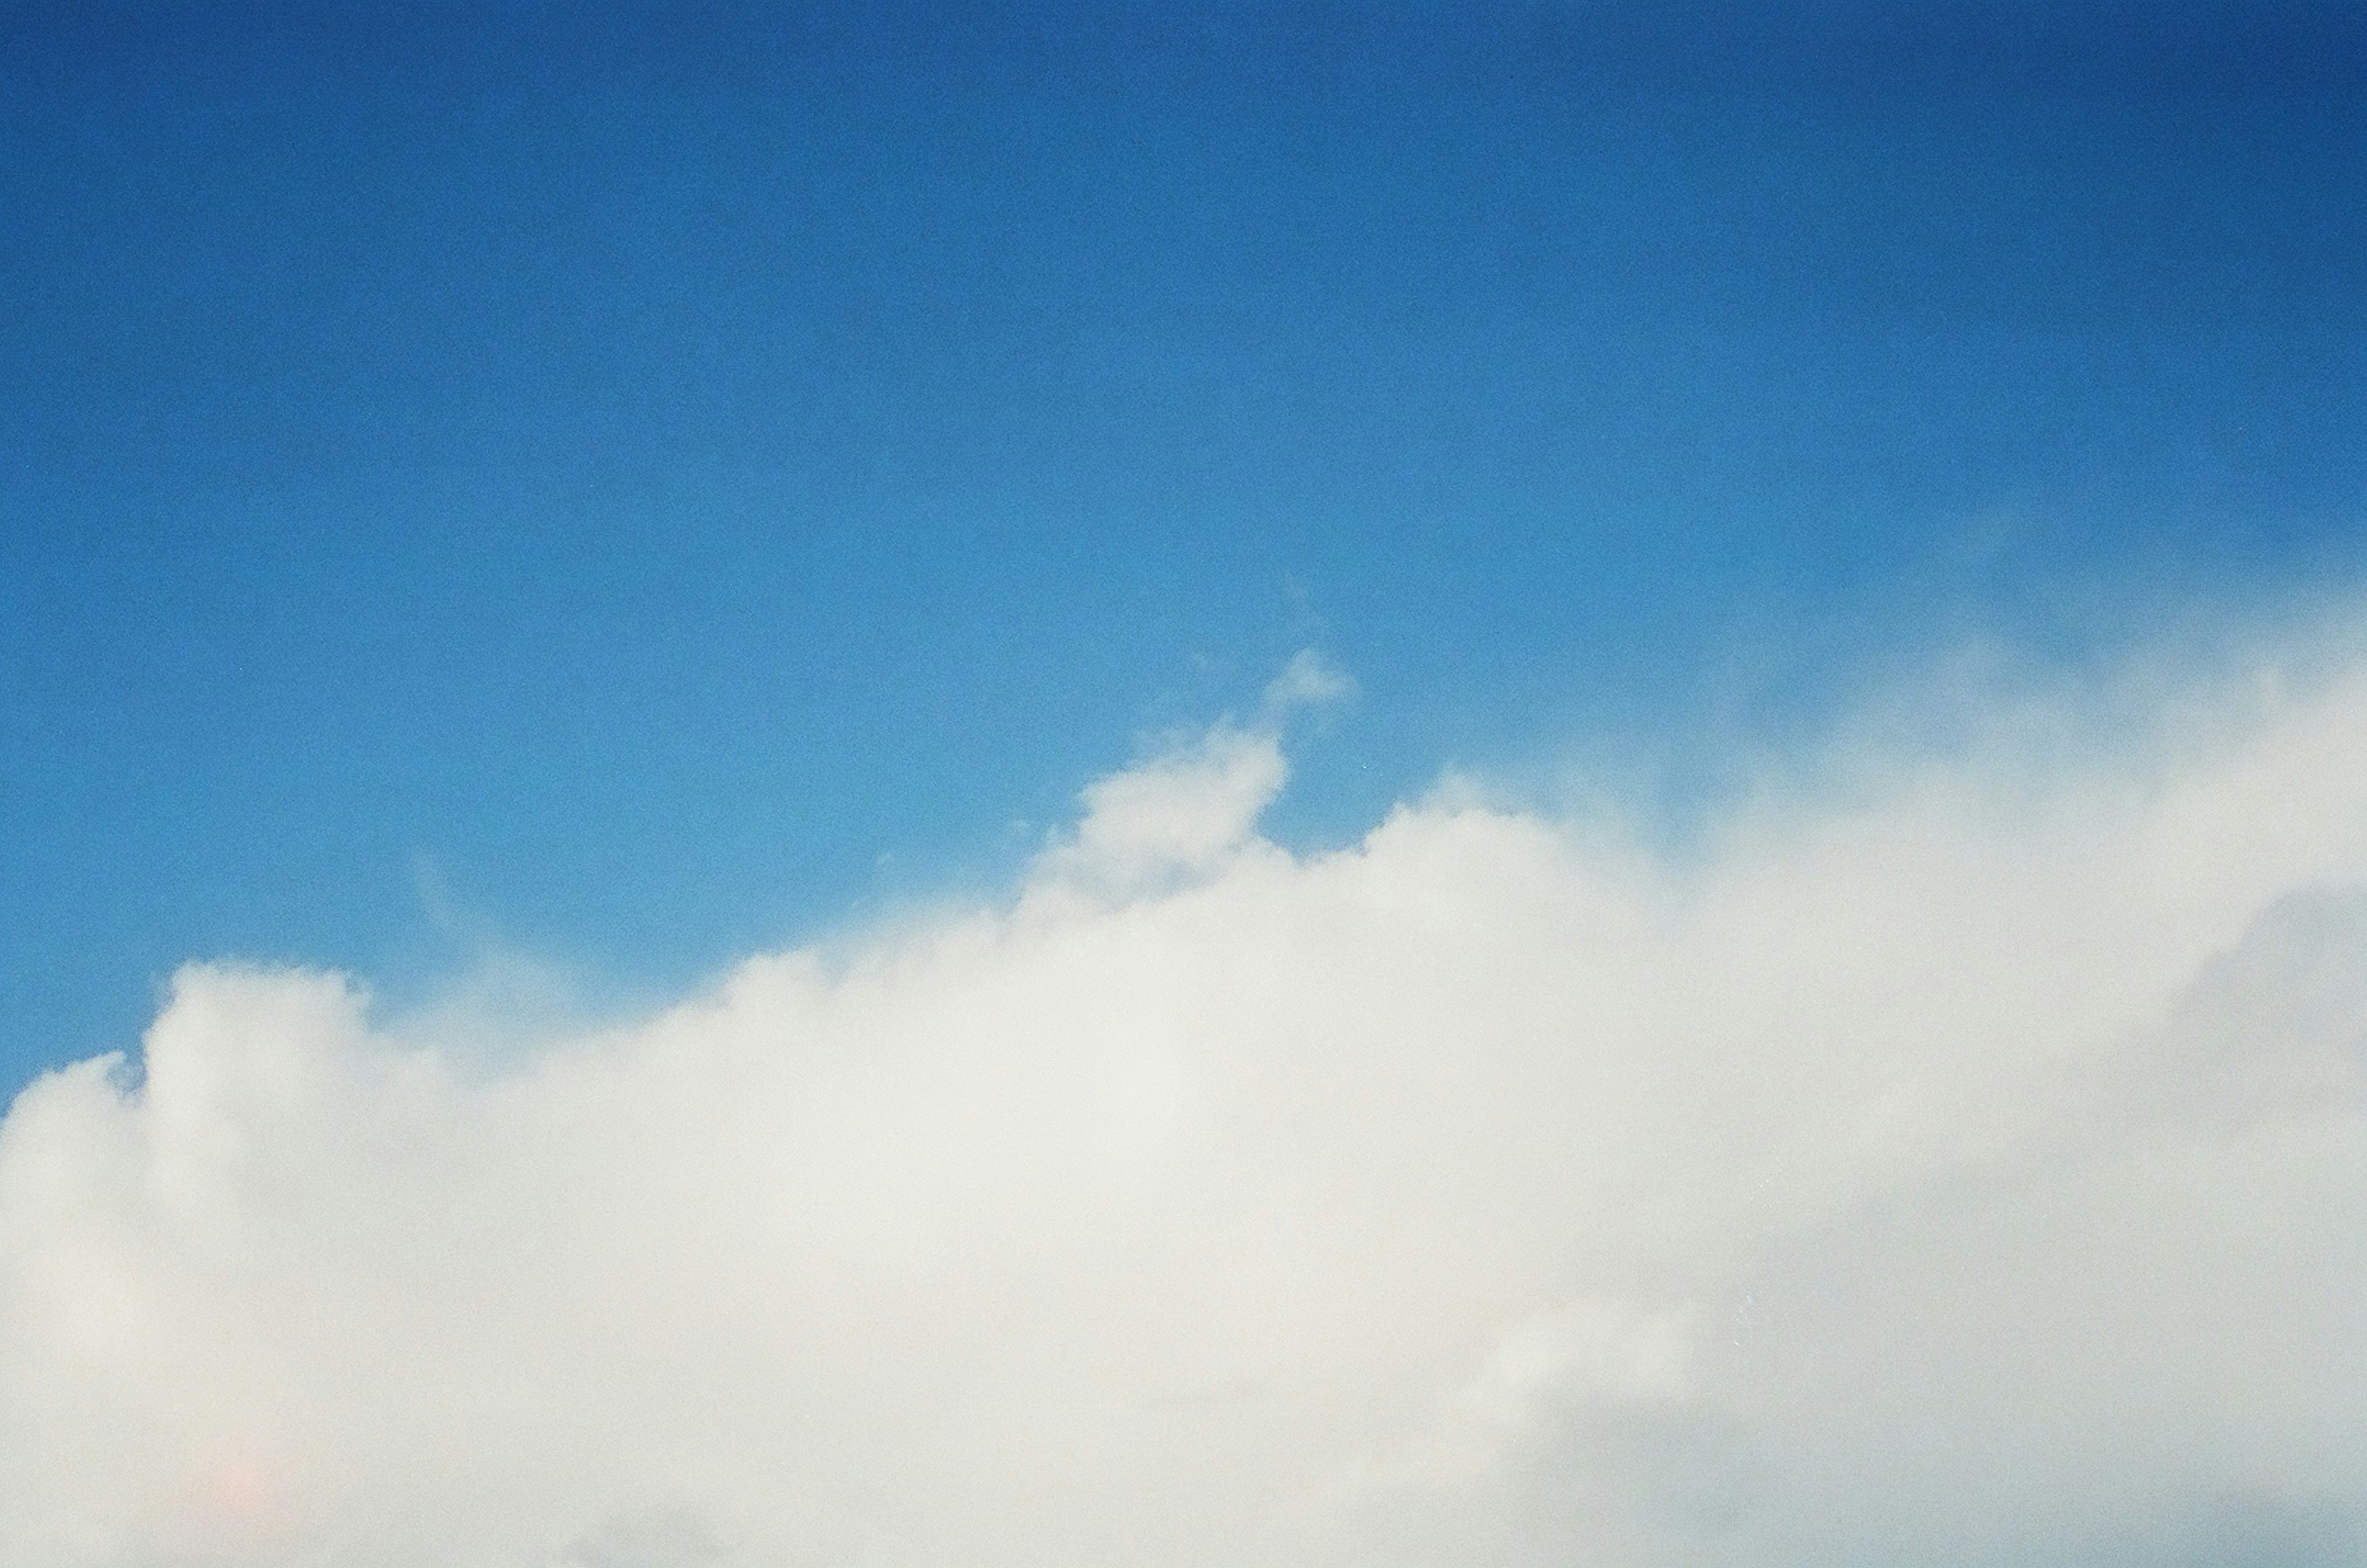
x,y
1959,1161
1309,680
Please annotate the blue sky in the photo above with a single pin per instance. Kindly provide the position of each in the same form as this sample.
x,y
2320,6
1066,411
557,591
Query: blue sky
x,y
626,471
1330,787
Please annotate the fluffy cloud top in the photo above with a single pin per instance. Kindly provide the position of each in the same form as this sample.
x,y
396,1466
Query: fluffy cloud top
x,y
1956,1162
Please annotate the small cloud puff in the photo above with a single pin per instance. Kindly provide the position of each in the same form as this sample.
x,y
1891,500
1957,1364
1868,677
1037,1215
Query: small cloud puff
x,y
1170,816
1958,1162
1309,680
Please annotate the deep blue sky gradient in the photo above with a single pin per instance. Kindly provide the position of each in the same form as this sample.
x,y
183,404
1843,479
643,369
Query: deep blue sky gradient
x,y
643,465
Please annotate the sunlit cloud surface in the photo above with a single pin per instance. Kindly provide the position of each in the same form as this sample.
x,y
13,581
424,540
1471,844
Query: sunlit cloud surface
x,y
1954,1155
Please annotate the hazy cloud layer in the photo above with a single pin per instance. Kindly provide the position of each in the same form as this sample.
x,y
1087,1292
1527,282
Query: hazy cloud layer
x,y
1961,1159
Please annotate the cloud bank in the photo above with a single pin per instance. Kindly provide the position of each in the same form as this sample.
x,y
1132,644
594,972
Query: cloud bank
x,y
1959,1159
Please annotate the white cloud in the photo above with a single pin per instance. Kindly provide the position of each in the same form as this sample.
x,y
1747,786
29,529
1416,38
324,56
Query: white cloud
x,y
1309,680
1166,819
1958,1161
